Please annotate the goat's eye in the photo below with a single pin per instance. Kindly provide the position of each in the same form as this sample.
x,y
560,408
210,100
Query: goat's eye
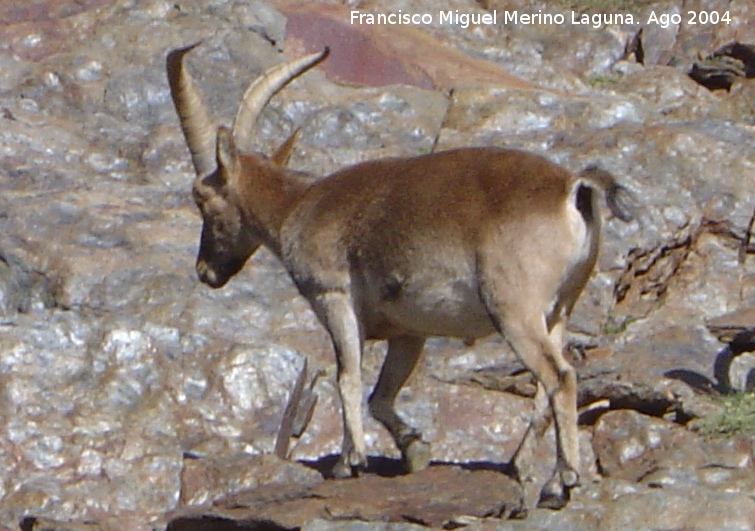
x,y
221,226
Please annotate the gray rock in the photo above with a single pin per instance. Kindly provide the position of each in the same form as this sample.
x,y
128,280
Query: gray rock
x,y
659,34
631,446
685,508
115,362
207,480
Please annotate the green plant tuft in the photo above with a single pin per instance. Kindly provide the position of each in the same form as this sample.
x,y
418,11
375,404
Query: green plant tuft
x,y
617,324
599,80
738,416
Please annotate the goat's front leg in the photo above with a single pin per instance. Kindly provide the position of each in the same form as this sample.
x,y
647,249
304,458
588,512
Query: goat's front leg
x,y
336,312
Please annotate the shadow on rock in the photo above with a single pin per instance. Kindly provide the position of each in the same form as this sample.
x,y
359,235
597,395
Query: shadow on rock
x,y
386,467
216,523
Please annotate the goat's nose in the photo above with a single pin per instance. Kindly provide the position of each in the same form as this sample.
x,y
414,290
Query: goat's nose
x,y
205,273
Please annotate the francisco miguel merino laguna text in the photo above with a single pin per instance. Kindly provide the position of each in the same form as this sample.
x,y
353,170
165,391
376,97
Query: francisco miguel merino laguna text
x,y
596,20
454,17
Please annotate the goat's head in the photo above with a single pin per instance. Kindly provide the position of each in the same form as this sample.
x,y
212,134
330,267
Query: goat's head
x,y
226,242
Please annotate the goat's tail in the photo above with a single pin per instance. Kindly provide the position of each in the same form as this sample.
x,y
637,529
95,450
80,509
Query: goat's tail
x,y
619,199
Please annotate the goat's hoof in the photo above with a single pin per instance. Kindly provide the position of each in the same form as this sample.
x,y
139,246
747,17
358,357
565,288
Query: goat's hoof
x,y
417,455
348,468
343,470
552,501
569,478
555,494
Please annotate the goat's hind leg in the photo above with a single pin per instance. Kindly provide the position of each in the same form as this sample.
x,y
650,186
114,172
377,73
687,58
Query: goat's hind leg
x,y
525,330
564,406
403,354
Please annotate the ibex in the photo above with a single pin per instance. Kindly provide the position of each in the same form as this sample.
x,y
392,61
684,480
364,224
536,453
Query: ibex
x,y
461,243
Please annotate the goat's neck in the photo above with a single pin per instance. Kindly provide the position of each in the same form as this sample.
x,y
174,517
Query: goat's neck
x,y
266,196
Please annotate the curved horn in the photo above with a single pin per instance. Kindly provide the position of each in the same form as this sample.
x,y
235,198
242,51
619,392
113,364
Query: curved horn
x,y
263,88
195,122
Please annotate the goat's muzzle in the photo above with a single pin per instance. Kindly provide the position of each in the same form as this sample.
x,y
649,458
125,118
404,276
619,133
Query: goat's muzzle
x,y
208,275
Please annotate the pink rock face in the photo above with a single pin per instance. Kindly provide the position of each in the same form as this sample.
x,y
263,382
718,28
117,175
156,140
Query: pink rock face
x,y
356,56
372,55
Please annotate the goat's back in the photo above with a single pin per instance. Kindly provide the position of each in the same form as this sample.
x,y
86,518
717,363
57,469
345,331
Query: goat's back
x,y
451,193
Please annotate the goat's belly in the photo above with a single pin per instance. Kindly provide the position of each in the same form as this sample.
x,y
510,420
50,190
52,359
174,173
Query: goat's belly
x,y
452,309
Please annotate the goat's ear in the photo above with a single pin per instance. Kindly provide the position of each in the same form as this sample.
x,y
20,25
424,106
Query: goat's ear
x,y
227,154
283,153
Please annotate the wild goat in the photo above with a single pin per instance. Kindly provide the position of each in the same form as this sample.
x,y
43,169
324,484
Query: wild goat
x,y
461,243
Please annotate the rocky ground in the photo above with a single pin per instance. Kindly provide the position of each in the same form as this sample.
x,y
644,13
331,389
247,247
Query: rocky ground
x,y
135,398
